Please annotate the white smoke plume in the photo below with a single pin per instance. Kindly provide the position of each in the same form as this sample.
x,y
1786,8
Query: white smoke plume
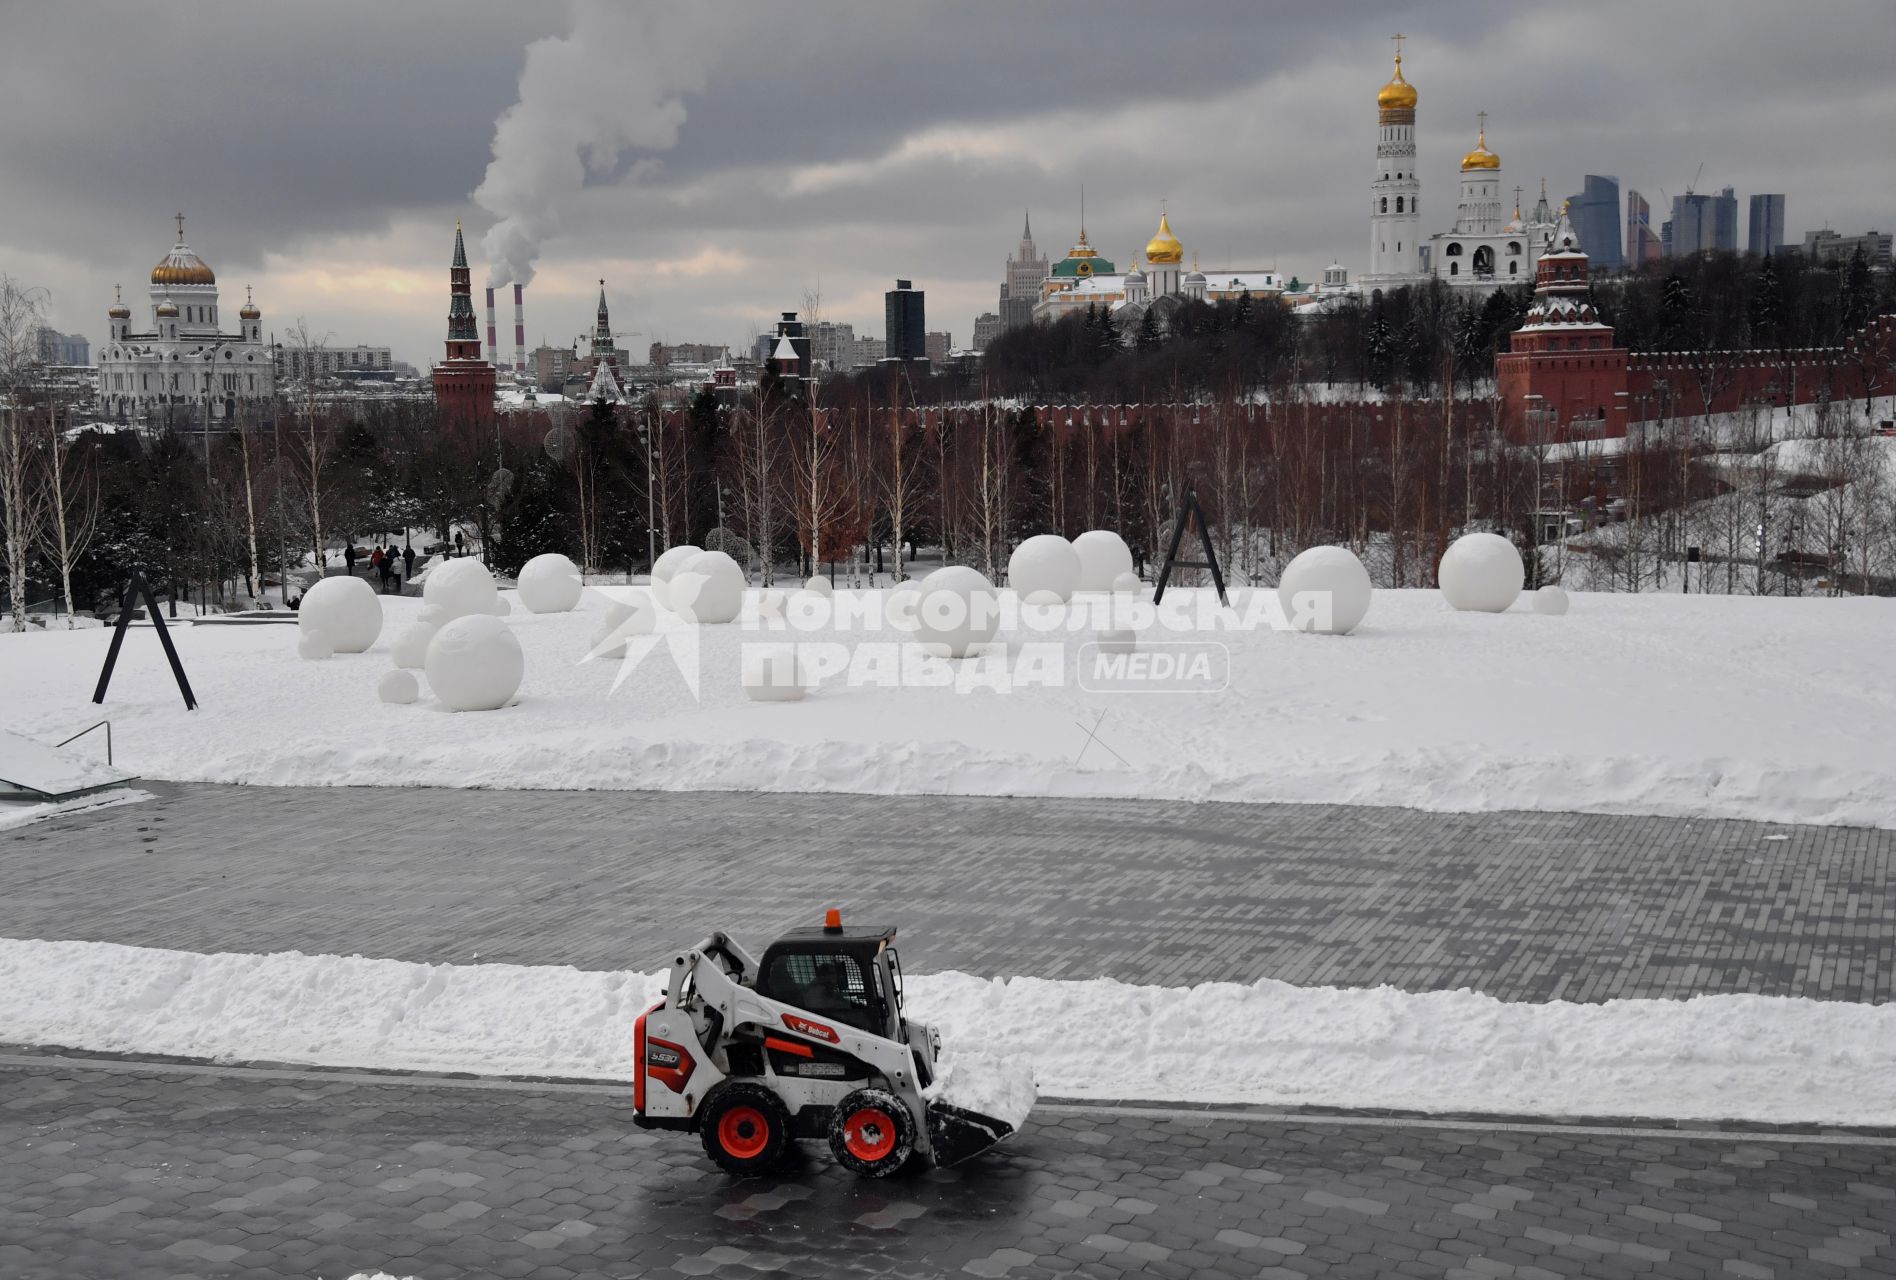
x,y
615,82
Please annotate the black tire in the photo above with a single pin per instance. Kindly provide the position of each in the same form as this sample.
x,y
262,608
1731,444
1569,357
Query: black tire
x,y
872,1133
745,1128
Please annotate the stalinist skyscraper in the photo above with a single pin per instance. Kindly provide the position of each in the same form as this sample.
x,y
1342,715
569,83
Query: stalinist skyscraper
x,y
1395,224
1020,286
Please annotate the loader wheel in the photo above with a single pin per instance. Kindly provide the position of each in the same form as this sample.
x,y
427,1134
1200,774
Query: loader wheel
x,y
871,1133
745,1128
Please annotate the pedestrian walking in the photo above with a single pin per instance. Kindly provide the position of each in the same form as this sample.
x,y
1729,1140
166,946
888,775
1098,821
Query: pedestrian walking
x,y
349,557
395,572
460,543
408,561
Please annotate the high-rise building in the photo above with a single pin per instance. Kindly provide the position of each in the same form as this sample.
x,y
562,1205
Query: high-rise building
x,y
1702,223
1026,271
904,326
1595,212
463,383
1395,192
987,327
1766,230
939,345
1827,246
1642,246
62,348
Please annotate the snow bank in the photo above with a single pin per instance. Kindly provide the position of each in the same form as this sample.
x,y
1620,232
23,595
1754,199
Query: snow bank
x,y
1697,706
1739,1057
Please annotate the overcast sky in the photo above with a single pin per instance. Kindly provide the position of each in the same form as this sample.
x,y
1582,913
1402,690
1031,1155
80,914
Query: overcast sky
x,y
718,162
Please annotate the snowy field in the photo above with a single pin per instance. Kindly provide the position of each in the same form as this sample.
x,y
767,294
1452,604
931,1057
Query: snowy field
x,y
1769,709
1734,1057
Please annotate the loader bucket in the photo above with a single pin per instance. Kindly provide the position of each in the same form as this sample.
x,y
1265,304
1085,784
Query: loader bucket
x,y
956,1134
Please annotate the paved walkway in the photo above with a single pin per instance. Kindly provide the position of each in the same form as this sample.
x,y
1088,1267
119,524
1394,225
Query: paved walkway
x,y
1524,906
155,1172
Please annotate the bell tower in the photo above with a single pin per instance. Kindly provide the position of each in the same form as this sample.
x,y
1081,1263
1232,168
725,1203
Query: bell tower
x,y
1395,222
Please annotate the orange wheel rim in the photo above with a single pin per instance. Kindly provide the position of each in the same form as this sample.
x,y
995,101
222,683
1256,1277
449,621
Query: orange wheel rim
x,y
869,1133
744,1132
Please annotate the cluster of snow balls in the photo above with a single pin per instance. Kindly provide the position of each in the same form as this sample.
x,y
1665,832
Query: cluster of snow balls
x,y
1045,569
666,567
637,617
411,645
819,584
1481,573
338,615
459,589
957,609
772,673
1551,602
550,583
1104,556
709,588
474,663
1325,590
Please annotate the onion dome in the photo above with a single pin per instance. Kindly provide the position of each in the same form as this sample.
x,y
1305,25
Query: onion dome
x,y
1481,157
181,266
1398,94
119,311
1164,247
249,310
168,310
1194,276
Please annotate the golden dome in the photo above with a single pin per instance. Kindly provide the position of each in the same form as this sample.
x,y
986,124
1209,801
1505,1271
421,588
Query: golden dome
x,y
181,266
1398,94
1481,157
1164,247
119,310
249,309
167,308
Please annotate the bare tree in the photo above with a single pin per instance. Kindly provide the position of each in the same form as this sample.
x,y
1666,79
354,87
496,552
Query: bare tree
x,y
314,456
22,499
72,502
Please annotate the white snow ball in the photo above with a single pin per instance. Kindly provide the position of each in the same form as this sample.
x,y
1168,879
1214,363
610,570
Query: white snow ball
x,y
499,607
638,617
1481,573
958,610
313,642
673,560
772,673
819,584
458,588
550,583
710,588
411,645
345,609
1046,563
398,686
1325,590
475,664
1104,555
433,614
1551,601
899,609
1118,640
1127,583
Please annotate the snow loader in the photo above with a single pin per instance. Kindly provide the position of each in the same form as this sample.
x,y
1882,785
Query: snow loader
x,y
809,1041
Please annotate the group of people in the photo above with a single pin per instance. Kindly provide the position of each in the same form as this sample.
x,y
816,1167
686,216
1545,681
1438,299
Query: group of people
x,y
389,564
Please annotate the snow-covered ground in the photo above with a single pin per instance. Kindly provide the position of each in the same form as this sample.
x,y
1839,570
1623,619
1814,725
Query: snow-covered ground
x,y
1736,1057
1692,705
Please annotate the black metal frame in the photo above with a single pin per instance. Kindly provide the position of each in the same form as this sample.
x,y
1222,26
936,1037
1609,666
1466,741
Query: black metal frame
x,y
139,589
1186,509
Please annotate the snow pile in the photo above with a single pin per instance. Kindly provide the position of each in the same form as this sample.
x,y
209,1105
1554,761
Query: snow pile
x,y
1740,1057
988,1084
1697,706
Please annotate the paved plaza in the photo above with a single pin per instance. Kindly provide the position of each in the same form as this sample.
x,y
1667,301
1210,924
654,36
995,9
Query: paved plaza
x,y
1523,906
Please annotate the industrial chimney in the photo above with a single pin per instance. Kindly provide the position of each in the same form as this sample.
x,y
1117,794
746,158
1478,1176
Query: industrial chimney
x,y
520,333
493,350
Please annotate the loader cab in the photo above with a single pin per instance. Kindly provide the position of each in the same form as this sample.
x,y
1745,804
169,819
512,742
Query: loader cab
x,y
846,974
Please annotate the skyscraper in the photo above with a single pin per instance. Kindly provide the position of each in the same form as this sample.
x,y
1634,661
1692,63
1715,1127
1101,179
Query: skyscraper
x,y
1020,283
1702,223
1596,220
1642,245
905,330
1766,233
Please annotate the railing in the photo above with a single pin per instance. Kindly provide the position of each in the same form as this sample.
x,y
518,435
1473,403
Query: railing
x,y
106,725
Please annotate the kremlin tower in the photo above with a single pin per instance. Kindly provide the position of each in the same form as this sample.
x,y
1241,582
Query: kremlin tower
x,y
1395,223
463,382
1562,376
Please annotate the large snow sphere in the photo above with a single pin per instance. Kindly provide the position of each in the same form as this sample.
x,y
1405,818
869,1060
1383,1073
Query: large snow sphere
x,y
1127,583
958,610
819,584
550,583
899,609
1551,601
345,609
398,686
1104,555
313,643
1481,573
475,664
710,588
771,673
411,646
1045,562
1335,587
673,560
458,588
623,621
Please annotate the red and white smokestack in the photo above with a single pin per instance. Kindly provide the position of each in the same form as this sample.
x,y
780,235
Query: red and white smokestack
x,y
492,347
520,333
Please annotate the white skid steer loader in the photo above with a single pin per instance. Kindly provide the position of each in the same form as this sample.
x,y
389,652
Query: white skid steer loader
x,y
809,1042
